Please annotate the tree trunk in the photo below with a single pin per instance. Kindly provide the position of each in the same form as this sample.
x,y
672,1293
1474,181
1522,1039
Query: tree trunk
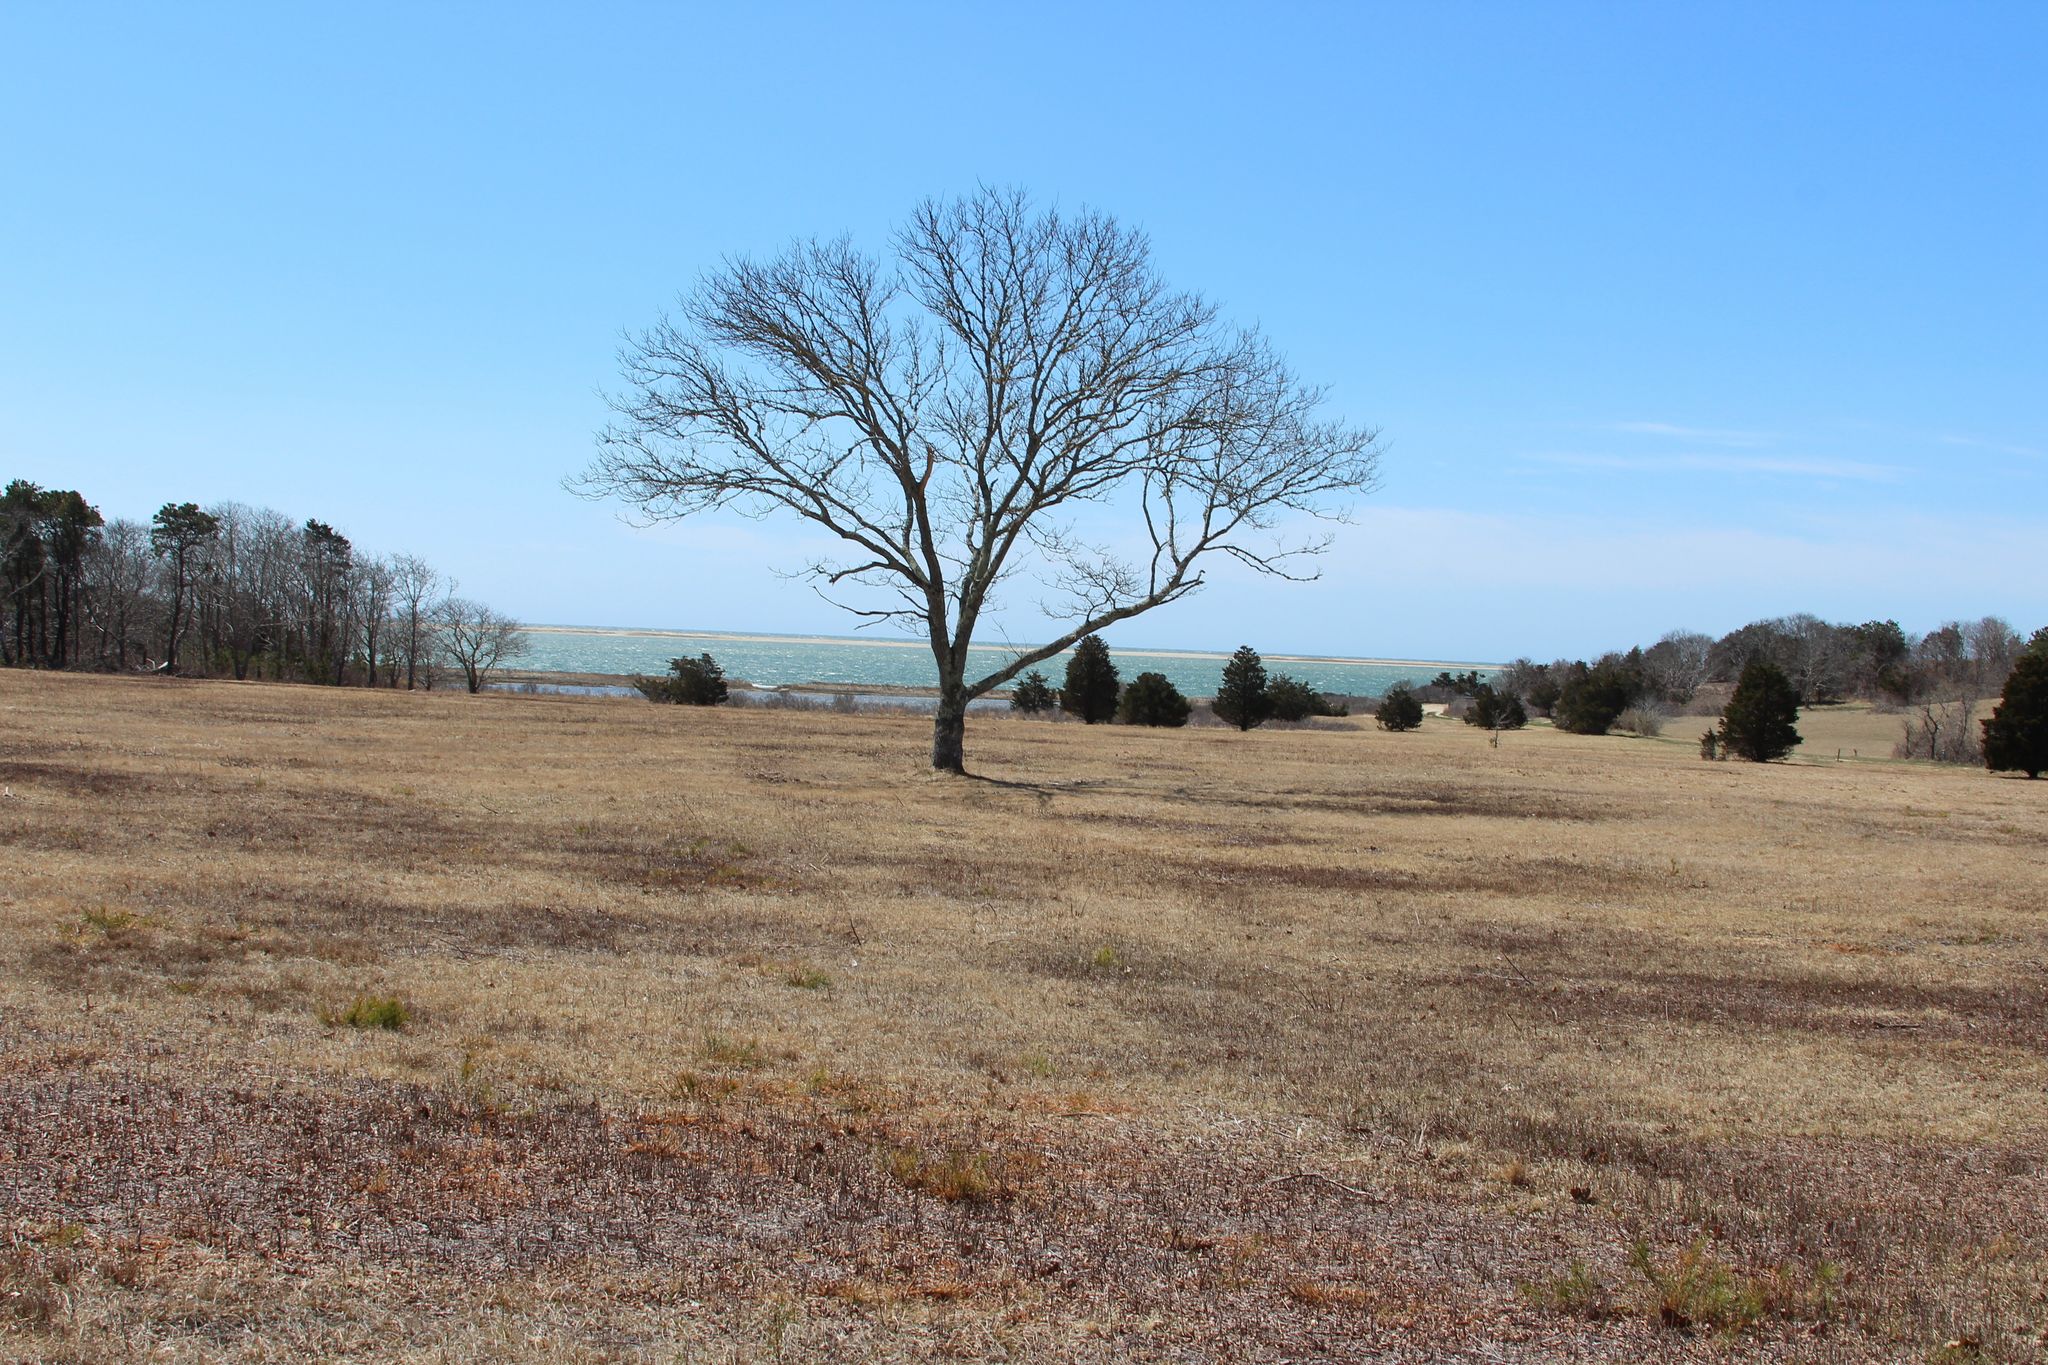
x,y
949,732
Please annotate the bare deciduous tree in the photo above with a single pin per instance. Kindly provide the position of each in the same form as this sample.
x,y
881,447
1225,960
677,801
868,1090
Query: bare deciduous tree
x,y
1677,664
476,639
949,415
414,583
119,605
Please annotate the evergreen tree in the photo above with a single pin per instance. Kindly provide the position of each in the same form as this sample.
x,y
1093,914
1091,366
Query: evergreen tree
x,y
689,682
1241,698
1152,700
179,534
2016,736
1757,723
1464,684
1091,688
1287,699
1592,698
1399,710
1032,694
1491,710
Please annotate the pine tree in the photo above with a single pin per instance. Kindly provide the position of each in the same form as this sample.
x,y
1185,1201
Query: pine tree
x,y
1032,694
1491,710
1757,723
1289,699
1399,710
1152,700
1091,688
2016,736
1241,698
689,682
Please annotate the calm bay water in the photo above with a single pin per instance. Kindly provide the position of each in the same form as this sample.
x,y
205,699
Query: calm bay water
x,y
784,660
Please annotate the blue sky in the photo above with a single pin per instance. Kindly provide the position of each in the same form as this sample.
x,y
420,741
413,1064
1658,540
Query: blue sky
x,y
1671,315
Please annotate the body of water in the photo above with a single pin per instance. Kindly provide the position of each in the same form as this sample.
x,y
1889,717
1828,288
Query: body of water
x,y
786,660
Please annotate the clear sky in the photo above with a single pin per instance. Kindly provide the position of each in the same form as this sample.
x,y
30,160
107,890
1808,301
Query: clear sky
x,y
1673,315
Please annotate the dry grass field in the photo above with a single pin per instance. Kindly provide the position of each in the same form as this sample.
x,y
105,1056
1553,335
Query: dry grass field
x,y
343,1025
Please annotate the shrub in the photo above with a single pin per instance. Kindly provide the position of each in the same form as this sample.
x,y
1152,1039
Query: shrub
x,y
1091,689
1941,730
689,682
1399,710
1492,710
1032,694
1241,697
1757,723
1152,700
1287,699
2016,736
1642,719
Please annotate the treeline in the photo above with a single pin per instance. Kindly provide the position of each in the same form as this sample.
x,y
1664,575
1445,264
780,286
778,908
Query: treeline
x,y
228,591
1938,679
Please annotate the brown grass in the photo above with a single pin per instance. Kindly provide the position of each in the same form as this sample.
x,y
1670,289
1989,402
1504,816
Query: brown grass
x,y
742,1036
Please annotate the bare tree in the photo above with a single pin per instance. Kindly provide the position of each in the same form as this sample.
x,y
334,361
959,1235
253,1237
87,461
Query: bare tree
x,y
119,605
1677,664
413,586
949,416
376,586
1994,647
253,566
476,639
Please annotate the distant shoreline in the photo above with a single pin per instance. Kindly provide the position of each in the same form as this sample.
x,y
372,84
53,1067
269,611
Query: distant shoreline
x,y
716,635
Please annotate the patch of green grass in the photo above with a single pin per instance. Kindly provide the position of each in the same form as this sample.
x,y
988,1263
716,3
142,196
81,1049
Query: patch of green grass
x,y
739,1054
370,1011
957,1177
693,1085
112,926
1578,1291
1698,1292
806,978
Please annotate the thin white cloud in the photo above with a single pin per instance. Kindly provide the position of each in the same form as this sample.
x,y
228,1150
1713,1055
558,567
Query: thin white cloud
x,y
1782,465
1998,447
1708,435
